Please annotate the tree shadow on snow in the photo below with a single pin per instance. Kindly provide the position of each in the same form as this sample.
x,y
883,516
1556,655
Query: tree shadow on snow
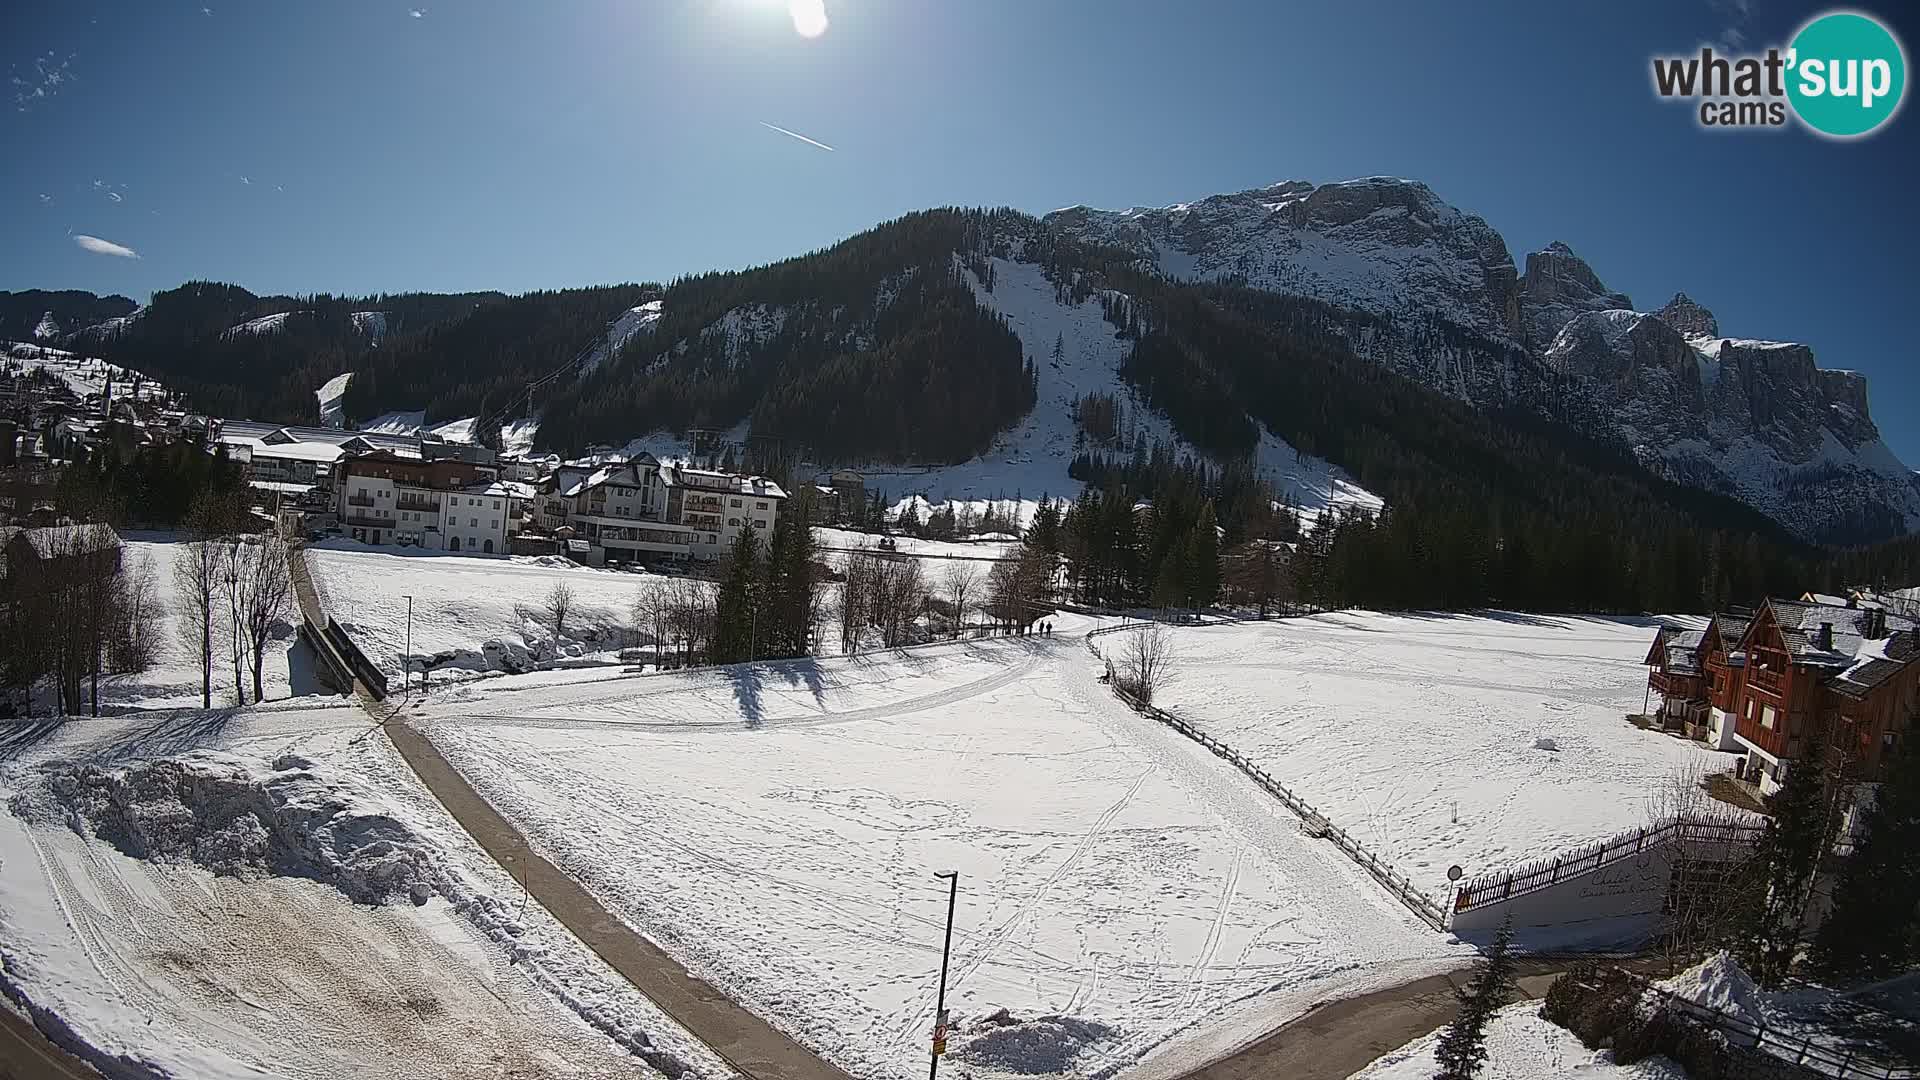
x,y
169,734
747,684
17,737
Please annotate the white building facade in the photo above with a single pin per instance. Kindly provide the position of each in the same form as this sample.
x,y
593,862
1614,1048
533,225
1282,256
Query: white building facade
x,y
642,511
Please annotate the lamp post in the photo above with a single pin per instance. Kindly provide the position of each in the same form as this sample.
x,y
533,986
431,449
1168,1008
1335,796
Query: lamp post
x,y
406,662
940,1013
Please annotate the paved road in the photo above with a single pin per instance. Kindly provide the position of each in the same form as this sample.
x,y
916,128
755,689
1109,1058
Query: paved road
x,y
25,1054
751,1045
1338,1039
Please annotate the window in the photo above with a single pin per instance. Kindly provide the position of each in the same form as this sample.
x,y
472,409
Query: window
x,y
734,503
760,505
496,504
473,523
1887,742
495,525
1767,716
712,539
760,523
733,523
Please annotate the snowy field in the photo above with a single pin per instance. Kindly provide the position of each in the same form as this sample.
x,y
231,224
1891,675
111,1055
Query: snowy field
x,y
1417,733
83,375
171,970
776,827
467,609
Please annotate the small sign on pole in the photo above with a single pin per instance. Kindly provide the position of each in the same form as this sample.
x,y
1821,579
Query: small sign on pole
x,y
940,1035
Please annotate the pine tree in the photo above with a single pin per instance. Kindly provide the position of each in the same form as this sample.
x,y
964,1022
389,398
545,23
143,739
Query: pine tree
x,y
1203,560
1463,1049
733,628
1785,862
1874,928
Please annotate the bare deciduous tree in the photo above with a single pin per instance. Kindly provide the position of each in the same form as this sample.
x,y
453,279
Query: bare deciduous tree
x,y
196,576
1709,870
856,599
898,596
963,580
557,606
266,598
1145,661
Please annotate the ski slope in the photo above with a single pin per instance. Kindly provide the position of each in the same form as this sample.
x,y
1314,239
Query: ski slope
x,y
1417,733
775,827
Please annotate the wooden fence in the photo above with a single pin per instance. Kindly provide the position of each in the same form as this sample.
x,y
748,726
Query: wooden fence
x,y
1317,824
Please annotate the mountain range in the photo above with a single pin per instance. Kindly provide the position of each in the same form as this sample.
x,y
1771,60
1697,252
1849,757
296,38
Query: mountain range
x,y
962,344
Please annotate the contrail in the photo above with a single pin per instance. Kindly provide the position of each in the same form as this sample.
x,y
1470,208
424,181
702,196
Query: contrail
x,y
795,134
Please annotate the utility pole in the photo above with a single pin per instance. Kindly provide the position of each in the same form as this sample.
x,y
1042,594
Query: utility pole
x,y
406,662
940,1013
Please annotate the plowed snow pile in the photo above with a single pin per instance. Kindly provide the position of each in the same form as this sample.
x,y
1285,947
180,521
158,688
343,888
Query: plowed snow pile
x,y
231,815
1042,1046
1720,983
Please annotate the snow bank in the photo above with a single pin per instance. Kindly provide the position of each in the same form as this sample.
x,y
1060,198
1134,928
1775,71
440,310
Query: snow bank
x,y
234,816
1522,1046
1720,983
1042,1046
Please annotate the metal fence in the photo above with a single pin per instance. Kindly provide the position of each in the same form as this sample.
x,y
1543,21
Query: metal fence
x,y
1541,873
1840,1062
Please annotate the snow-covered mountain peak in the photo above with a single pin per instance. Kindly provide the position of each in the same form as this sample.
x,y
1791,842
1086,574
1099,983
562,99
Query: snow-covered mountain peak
x,y
1381,244
1558,286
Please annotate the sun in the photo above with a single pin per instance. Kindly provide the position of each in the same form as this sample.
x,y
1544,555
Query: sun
x,y
809,17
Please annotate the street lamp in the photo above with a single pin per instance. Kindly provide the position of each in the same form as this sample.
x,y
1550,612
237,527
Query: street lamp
x,y
940,1013
406,661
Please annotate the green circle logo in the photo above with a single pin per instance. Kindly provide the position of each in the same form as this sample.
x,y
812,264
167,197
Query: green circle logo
x,y
1846,74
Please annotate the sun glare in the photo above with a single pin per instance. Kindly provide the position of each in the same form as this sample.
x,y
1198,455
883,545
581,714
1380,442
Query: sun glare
x,y
809,17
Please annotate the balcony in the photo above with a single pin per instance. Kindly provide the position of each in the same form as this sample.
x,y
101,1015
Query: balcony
x,y
1768,680
1675,686
359,500
368,521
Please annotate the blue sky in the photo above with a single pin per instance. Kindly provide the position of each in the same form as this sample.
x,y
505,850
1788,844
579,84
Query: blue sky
x,y
354,146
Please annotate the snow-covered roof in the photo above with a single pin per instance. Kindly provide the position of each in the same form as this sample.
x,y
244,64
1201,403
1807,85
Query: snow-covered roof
x,y
280,487
502,489
299,451
758,487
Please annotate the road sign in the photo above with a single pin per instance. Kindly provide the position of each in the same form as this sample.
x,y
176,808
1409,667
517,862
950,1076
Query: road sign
x,y
1454,873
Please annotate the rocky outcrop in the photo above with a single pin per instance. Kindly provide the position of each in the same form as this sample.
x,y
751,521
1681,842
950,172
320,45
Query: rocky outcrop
x,y
1381,244
1558,286
1689,318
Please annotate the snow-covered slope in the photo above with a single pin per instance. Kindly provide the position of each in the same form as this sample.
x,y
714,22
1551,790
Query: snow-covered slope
x,y
265,324
1031,460
332,414
371,323
46,328
630,322
84,375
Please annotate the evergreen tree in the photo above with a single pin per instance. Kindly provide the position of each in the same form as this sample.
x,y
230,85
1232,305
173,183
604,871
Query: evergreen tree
x,y
1786,860
1874,928
734,612
1463,1049
1203,560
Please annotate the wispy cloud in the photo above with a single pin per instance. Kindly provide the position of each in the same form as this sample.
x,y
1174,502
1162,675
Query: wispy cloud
x,y
45,79
418,13
104,247
46,199
114,195
795,134
248,180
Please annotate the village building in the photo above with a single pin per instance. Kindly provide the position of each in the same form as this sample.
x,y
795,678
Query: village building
x,y
640,510
1839,672
444,504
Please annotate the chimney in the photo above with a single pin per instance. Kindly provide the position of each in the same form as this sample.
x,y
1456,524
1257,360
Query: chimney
x,y
1853,599
1824,642
1876,624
